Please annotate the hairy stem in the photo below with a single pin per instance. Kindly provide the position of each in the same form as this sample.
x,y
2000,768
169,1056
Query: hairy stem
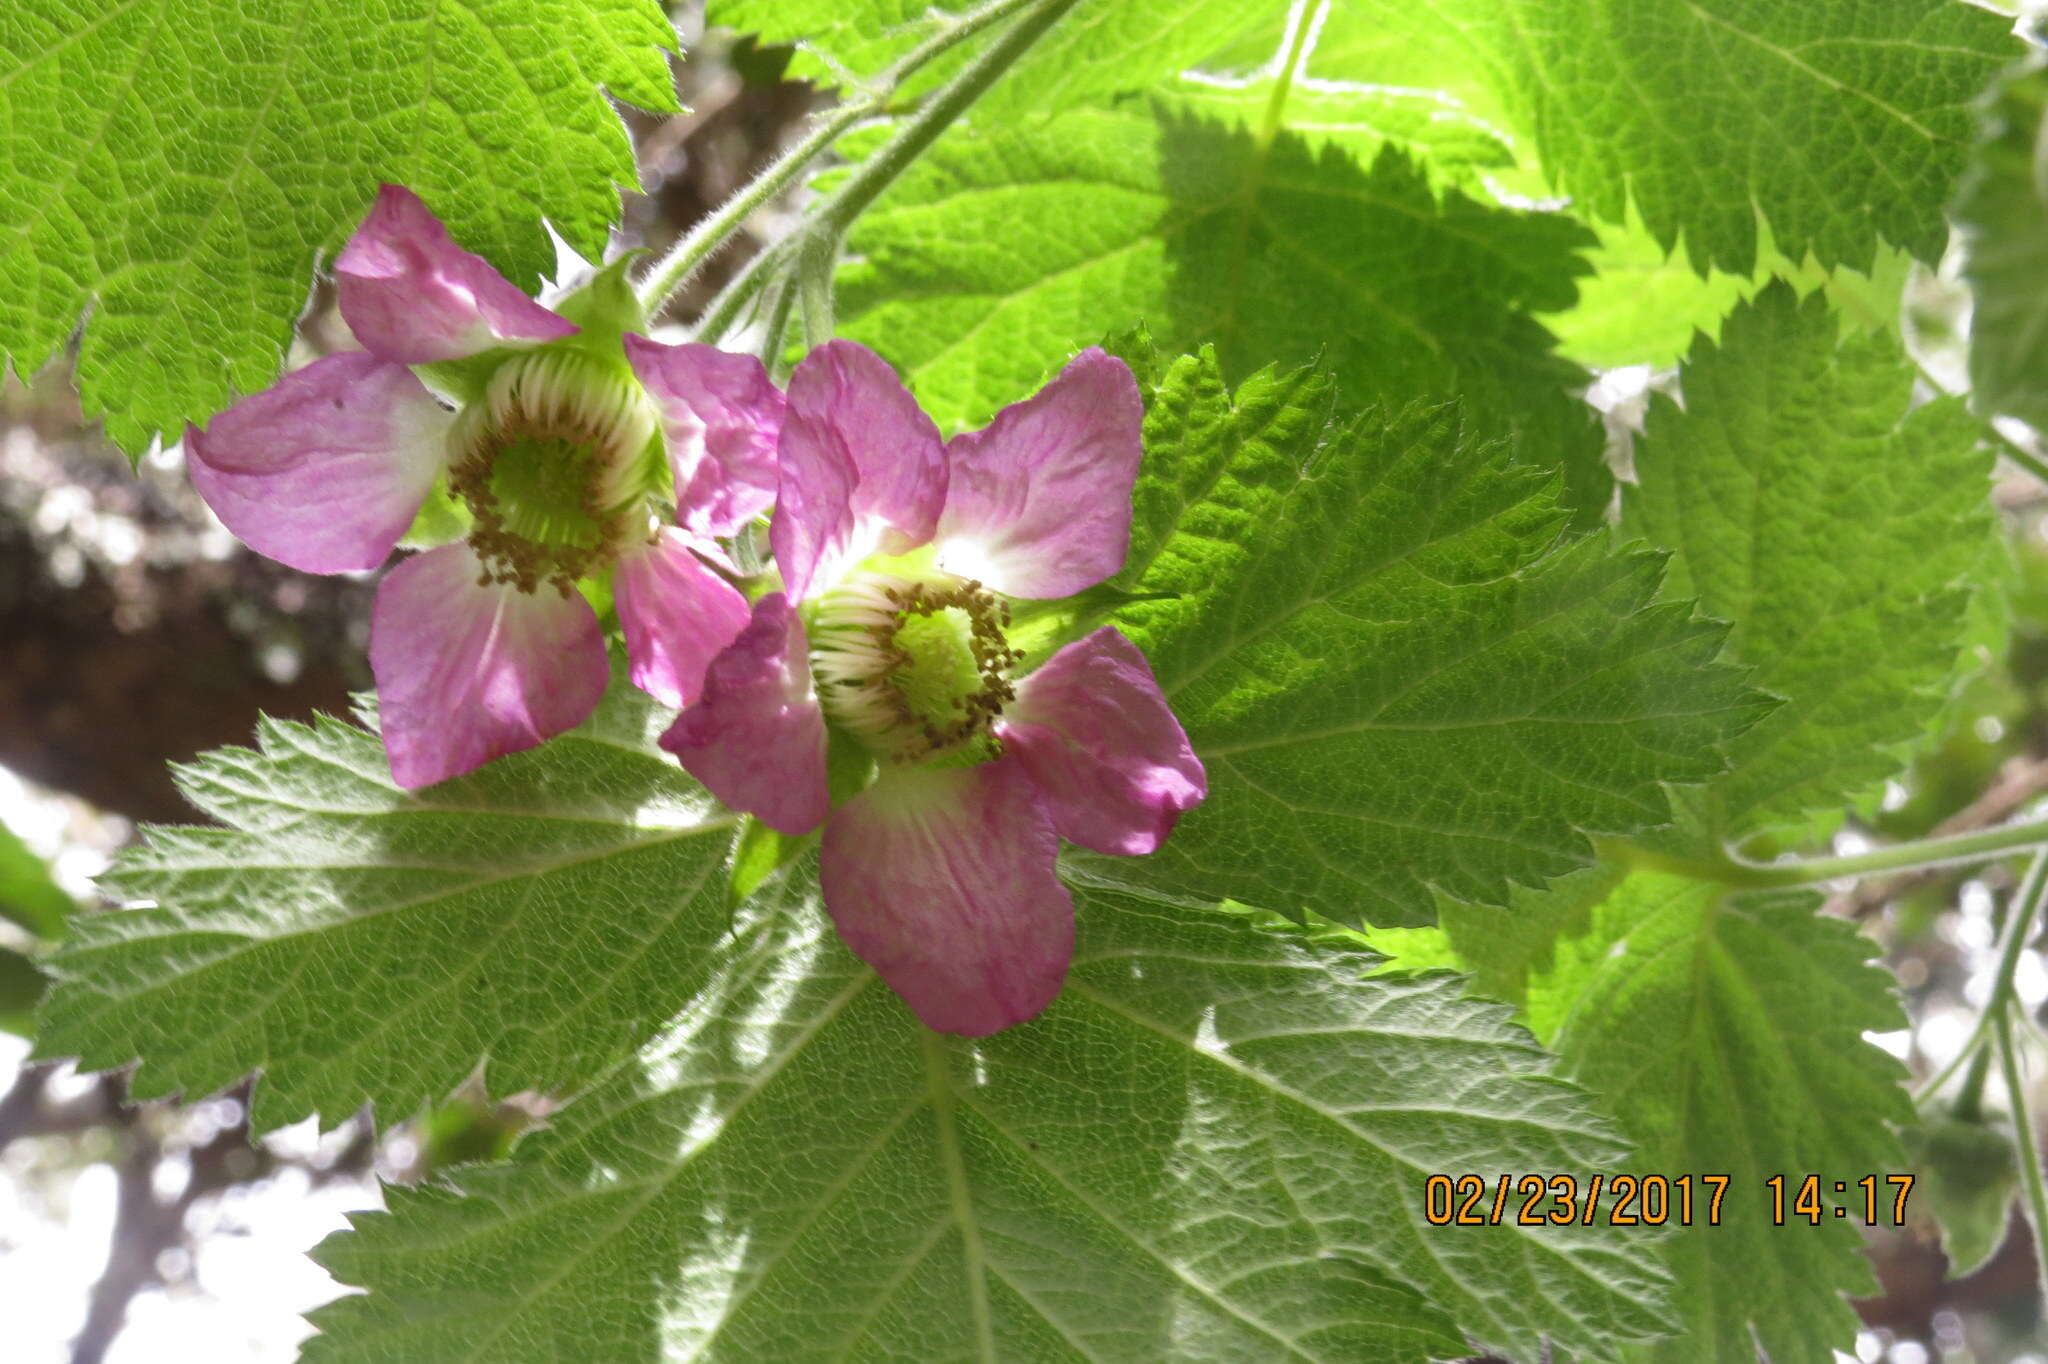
x,y
953,99
702,242
819,237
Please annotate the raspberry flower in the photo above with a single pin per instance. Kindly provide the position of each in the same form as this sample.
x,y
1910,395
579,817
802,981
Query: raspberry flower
x,y
556,434
890,652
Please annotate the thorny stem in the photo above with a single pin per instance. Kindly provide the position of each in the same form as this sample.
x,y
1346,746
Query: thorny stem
x,y
817,239
704,241
1732,870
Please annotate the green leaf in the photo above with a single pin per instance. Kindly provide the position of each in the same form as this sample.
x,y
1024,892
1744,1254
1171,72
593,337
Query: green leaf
x,y
1270,251
1101,47
21,988
179,167
2005,232
1212,1147
1837,123
1402,677
1503,947
1966,1176
1642,305
358,942
1435,131
28,896
1725,1034
1839,527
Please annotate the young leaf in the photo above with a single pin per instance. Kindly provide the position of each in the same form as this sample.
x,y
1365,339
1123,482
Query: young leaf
x,y
1966,1181
1401,677
1725,1034
180,167
1270,251
1840,528
360,943
1212,1147
2005,228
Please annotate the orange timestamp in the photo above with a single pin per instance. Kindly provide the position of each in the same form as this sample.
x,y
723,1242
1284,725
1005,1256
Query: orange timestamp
x,y
1533,1200
1645,1200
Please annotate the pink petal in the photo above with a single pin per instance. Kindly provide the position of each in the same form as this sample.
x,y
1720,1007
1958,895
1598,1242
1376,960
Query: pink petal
x,y
722,416
325,469
469,672
677,614
410,294
757,738
942,880
1040,499
1114,766
863,467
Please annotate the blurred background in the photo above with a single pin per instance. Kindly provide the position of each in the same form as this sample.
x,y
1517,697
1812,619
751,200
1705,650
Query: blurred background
x,y
135,633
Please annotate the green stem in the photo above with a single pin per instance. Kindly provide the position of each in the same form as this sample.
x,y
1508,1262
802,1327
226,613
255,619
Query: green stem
x,y
892,158
723,313
1297,44
2019,454
704,241
1979,846
769,348
814,266
2019,930
2012,449
822,231
2025,1150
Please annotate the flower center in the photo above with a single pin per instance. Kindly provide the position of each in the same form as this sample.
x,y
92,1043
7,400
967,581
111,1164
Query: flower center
x,y
914,667
550,462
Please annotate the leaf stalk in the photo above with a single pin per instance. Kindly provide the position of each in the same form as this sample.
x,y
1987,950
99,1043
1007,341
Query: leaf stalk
x,y
2019,929
704,241
2026,1149
818,237
1730,869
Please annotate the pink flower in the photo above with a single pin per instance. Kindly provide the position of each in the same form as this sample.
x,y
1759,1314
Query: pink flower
x,y
559,455
900,553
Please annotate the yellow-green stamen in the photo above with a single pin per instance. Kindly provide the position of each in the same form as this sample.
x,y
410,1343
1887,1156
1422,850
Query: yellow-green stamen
x,y
550,462
915,668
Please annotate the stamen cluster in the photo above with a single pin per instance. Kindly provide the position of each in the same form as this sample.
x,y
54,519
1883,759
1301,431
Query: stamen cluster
x,y
914,667
546,463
